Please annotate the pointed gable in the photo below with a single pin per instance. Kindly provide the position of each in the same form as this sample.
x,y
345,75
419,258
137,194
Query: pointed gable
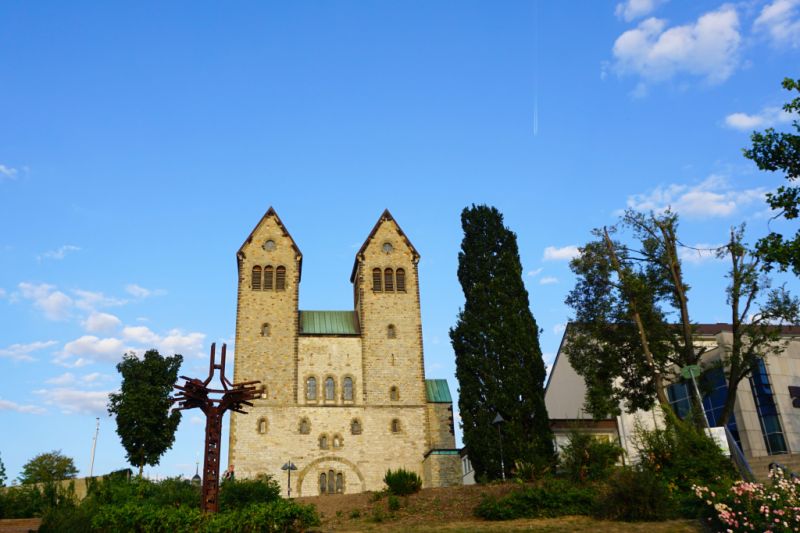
x,y
386,217
272,214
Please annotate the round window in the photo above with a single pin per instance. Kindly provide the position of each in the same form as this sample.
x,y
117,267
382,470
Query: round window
x,y
269,245
387,247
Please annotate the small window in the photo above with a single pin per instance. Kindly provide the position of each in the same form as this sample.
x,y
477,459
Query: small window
x,y
255,280
311,388
400,279
394,394
262,425
280,278
355,427
323,442
323,483
388,280
395,426
305,426
265,330
263,392
339,483
376,280
331,481
268,275
337,441
391,331
347,388
330,389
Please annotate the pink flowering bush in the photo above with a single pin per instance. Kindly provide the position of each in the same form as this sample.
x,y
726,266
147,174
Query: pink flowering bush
x,y
774,507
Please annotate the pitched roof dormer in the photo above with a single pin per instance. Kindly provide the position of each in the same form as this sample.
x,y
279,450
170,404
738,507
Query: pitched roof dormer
x,y
385,218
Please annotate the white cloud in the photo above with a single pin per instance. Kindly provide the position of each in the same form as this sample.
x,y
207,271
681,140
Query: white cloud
x,y
95,347
535,272
91,300
141,293
185,344
2,293
53,303
707,48
75,401
7,405
141,335
634,9
196,420
548,280
780,21
67,378
769,116
713,197
551,253
698,253
22,352
8,173
559,328
60,253
101,322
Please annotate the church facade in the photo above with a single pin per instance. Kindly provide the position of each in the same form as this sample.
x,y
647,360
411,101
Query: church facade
x,y
344,395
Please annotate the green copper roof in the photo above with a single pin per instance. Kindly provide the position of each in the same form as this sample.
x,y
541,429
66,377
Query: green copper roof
x,y
438,391
328,323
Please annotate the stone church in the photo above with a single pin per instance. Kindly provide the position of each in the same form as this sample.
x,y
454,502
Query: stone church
x,y
344,393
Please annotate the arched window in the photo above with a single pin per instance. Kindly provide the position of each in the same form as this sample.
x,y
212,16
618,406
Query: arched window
x,y
395,426
376,280
311,388
323,483
339,483
330,389
262,425
391,331
355,427
305,426
388,280
280,278
268,278
394,394
400,280
323,442
255,280
337,441
331,482
347,388
265,330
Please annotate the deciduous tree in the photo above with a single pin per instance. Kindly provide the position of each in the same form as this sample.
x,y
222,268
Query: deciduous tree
x,y
48,467
498,359
145,424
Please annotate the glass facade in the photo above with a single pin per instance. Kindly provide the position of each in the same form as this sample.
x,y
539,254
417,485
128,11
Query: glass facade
x,y
767,410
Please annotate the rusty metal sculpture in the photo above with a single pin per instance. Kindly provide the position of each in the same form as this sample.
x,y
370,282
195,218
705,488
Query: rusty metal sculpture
x,y
195,393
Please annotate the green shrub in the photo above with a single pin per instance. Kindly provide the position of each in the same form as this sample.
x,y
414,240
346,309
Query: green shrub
x,y
401,482
28,501
550,498
237,494
632,495
279,515
354,514
393,503
586,458
135,516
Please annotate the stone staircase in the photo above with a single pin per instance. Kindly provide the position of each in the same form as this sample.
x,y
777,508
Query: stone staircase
x,y
760,465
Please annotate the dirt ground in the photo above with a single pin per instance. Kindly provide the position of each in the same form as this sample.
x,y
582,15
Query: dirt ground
x,y
451,510
19,525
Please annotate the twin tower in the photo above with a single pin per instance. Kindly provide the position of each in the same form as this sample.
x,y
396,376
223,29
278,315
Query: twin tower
x,y
344,393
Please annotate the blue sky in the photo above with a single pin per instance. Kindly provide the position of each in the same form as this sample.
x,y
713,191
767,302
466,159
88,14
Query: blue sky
x,y
141,143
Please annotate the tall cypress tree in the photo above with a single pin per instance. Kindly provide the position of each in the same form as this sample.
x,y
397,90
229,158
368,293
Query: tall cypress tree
x,y
498,359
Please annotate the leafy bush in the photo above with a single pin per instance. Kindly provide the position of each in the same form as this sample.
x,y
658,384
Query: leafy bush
x,y
550,498
237,494
586,458
393,502
401,482
27,501
633,494
752,506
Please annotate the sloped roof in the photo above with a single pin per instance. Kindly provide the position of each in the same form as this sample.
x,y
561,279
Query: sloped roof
x,y
329,323
272,213
385,216
438,391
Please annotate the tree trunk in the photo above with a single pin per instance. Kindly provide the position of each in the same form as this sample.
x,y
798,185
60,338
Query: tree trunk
x,y
657,377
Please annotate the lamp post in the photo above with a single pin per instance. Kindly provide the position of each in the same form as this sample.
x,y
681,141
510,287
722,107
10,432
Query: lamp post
x,y
496,422
289,466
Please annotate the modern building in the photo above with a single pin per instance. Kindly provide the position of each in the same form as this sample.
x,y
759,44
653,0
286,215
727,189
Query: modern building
x,y
344,393
766,421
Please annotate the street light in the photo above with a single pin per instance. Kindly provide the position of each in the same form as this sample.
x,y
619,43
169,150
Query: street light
x,y
289,466
496,422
